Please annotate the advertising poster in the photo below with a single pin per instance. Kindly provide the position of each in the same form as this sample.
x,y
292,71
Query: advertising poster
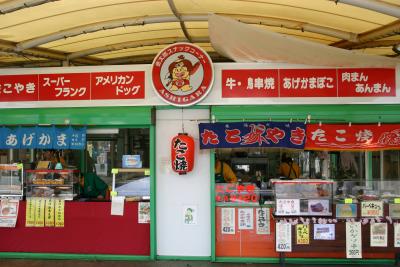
x,y
59,212
30,212
346,210
263,223
353,240
302,234
9,212
49,212
396,227
371,209
228,221
324,231
394,211
287,207
378,236
144,212
190,215
39,212
283,237
245,219
318,207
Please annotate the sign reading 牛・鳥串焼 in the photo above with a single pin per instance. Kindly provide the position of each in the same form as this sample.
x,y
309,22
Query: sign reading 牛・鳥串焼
x,y
349,82
182,74
252,134
353,137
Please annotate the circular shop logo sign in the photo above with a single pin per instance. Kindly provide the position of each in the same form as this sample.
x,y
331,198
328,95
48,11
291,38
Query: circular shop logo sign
x,y
182,74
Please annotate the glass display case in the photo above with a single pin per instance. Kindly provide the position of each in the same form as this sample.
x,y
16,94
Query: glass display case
x,y
11,180
132,183
52,183
305,197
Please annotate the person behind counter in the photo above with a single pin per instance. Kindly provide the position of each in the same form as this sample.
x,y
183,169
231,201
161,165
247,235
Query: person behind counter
x,y
92,186
54,157
289,168
224,173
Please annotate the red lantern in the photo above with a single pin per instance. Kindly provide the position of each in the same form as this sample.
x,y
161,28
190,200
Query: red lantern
x,y
182,153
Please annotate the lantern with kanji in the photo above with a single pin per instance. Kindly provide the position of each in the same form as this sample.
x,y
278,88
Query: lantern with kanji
x,y
182,153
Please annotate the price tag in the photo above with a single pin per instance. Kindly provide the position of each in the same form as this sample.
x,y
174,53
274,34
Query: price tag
x,y
397,200
114,171
113,193
147,172
19,166
348,201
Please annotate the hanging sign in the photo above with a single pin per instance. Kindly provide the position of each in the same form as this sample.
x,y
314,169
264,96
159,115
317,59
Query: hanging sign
x,y
378,234
353,137
396,227
46,137
353,240
182,153
252,134
39,212
30,212
263,223
267,83
283,237
59,212
49,212
228,221
182,74
302,234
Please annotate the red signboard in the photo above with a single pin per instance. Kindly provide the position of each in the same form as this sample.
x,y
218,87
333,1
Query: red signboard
x,y
367,82
308,83
250,83
18,88
65,86
357,82
182,153
353,137
118,85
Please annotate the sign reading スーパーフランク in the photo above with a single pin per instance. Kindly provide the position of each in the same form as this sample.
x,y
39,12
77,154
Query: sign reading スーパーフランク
x,y
182,74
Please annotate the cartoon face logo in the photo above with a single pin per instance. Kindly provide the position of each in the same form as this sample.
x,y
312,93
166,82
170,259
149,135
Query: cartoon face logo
x,y
182,74
179,73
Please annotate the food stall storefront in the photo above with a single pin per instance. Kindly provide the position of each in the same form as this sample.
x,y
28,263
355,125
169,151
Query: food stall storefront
x,y
339,186
55,219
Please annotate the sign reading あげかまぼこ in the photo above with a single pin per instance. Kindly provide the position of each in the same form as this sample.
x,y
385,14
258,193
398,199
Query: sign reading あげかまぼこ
x,y
182,74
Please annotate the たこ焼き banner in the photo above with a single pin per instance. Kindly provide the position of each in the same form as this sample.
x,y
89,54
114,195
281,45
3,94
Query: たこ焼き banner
x,y
43,137
252,134
353,137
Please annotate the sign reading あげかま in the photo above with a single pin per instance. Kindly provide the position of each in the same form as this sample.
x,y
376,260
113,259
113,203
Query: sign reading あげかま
x,y
182,74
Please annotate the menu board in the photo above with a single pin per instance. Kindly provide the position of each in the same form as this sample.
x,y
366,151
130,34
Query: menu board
x,y
283,237
353,240
287,207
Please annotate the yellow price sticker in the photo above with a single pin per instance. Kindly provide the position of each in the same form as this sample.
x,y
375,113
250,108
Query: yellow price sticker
x,y
114,171
146,172
113,193
19,166
348,200
397,200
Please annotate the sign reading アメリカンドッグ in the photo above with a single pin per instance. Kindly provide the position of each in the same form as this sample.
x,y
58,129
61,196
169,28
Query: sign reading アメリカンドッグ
x,y
182,74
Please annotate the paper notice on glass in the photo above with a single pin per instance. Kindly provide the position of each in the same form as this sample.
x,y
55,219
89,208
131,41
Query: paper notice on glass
x,y
117,205
190,215
263,224
396,227
228,221
324,231
371,209
49,212
39,212
144,212
378,234
302,234
287,207
283,237
245,219
59,212
9,212
353,240
30,212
